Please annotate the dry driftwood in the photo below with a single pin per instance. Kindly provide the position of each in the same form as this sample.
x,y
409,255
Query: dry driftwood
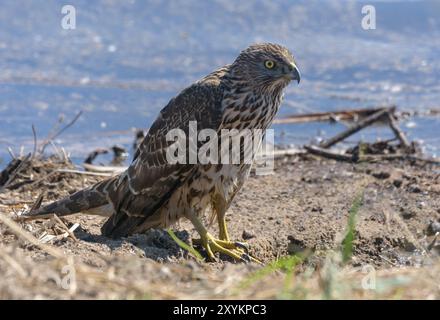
x,y
348,115
368,158
104,170
399,133
357,127
329,154
352,115
363,118
407,148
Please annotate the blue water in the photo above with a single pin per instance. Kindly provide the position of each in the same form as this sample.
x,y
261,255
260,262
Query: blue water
x,y
126,59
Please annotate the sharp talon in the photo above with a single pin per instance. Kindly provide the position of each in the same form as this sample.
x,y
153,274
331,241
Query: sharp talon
x,y
236,250
255,260
243,246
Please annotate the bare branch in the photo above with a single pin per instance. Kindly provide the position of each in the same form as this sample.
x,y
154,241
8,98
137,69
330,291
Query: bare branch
x,y
58,133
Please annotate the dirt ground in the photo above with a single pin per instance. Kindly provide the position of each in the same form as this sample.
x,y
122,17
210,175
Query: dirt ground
x,y
301,210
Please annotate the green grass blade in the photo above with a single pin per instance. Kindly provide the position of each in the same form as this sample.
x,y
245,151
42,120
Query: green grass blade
x,y
184,246
285,264
347,243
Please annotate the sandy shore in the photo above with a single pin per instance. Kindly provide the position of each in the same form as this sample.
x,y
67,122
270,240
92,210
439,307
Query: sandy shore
x,y
302,209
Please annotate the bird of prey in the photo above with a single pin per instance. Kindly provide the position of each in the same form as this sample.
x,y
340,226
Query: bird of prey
x,y
154,193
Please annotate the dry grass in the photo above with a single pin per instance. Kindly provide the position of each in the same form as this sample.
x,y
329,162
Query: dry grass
x,y
65,276
48,260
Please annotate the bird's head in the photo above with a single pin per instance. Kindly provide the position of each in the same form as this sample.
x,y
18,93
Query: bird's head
x,y
267,66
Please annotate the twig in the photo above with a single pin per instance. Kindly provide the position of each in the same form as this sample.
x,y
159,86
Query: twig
x,y
57,151
397,156
103,169
34,133
45,237
56,134
66,157
388,260
353,114
37,203
21,233
356,128
399,133
329,154
11,153
433,242
65,227
367,158
283,153
101,174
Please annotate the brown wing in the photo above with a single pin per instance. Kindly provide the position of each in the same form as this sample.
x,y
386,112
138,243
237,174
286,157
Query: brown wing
x,y
151,179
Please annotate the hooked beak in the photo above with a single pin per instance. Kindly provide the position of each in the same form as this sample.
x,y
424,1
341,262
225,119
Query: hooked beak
x,y
294,73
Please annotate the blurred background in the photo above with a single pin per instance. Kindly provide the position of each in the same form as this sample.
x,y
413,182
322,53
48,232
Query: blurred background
x,y
126,59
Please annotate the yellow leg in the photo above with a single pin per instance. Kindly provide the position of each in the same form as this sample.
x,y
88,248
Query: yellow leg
x,y
224,235
223,230
235,250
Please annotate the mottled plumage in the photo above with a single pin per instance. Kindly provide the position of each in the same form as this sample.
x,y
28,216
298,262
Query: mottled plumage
x,y
153,193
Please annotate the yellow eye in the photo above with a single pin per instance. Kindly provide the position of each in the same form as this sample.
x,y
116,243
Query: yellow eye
x,y
269,64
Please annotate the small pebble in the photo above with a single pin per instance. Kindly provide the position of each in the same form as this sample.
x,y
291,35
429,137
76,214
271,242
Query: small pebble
x,y
414,188
246,235
408,214
433,228
295,245
381,175
397,183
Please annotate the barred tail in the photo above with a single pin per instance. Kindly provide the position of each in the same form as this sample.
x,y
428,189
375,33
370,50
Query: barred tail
x,y
92,200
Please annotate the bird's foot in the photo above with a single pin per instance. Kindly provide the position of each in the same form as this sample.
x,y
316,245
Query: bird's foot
x,y
236,250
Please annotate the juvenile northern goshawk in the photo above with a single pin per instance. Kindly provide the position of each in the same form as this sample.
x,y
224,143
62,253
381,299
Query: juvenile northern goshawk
x,y
154,193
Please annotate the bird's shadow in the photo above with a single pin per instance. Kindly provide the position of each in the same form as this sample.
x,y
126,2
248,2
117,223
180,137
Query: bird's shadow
x,y
155,244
